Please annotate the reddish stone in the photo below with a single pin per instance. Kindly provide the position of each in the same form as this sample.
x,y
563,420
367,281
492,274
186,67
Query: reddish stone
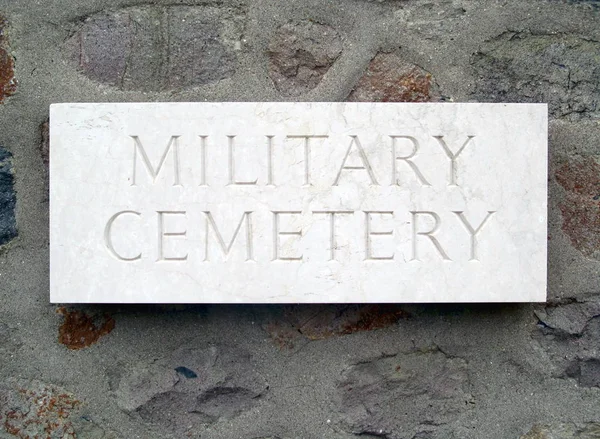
x,y
581,206
31,409
79,330
156,48
300,54
391,79
317,322
8,84
283,334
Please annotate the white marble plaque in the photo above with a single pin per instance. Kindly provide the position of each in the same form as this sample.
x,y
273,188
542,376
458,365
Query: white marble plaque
x,y
297,202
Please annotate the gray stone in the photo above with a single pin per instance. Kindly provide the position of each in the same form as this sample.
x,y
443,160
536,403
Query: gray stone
x,y
300,54
197,55
569,333
403,396
8,198
225,386
156,48
571,318
560,69
585,367
591,4
589,375
428,17
563,431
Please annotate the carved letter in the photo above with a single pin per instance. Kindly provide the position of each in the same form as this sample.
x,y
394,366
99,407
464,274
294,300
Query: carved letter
x,y
277,234
270,177
203,160
406,159
332,242
210,222
366,165
429,234
452,156
473,232
162,234
369,233
307,155
108,237
232,179
137,146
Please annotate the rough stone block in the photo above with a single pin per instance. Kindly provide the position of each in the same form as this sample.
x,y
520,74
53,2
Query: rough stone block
x,y
562,70
8,199
223,384
389,78
300,54
156,48
580,208
8,83
404,396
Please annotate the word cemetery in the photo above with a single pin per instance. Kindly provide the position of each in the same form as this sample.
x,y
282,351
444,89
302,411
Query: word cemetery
x,y
297,202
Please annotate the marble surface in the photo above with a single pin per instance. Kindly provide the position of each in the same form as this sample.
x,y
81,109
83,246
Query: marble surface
x,y
297,202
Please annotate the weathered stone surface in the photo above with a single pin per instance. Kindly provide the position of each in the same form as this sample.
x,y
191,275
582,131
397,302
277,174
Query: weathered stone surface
x,y
8,198
584,353
155,48
8,83
587,372
284,334
405,395
389,78
570,318
79,330
592,4
569,333
197,52
580,208
563,431
316,322
225,385
560,69
300,54
32,409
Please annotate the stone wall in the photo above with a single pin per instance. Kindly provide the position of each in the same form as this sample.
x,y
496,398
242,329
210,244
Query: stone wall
x,y
310,372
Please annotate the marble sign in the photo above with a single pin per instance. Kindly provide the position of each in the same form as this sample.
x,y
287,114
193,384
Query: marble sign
x,y
297,202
